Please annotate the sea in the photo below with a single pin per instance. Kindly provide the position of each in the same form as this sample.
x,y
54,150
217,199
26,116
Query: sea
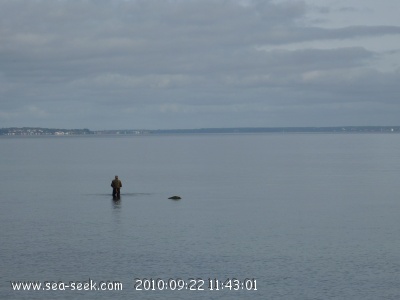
x,y
261,216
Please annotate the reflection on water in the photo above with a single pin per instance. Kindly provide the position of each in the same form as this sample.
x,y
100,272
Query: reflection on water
x,y
116,202
122,194
308,216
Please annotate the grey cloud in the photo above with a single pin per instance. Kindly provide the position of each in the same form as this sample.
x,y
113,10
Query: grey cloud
x,y
159,58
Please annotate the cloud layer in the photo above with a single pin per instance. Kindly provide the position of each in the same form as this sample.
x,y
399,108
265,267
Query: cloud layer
x,y
193,63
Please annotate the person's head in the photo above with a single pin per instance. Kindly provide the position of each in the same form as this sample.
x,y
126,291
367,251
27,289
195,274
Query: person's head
x,y
116,177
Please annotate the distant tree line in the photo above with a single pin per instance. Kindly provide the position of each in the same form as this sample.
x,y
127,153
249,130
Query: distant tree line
x,y
341,129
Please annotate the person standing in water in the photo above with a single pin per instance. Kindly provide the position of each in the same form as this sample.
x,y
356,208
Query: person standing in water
x,y
116,184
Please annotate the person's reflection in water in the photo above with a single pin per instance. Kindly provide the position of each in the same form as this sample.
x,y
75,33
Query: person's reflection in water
x,y
116,203
116,224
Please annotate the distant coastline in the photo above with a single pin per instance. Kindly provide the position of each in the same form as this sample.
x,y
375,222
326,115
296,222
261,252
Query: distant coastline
x,y
38,131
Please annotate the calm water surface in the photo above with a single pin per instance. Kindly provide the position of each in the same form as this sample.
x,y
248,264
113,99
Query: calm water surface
x,y
309,216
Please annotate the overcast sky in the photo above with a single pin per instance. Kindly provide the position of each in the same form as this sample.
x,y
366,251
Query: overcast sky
x,y
165,64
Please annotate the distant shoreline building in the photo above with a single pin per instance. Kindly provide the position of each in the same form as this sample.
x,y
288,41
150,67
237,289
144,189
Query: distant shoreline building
x,y
36,131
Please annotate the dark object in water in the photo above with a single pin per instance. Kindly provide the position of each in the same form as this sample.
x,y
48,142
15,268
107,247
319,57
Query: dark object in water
x,y
175,198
